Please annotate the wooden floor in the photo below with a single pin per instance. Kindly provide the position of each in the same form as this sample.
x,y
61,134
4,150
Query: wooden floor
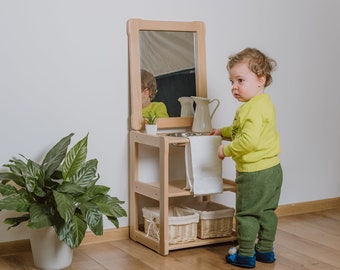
x,y
308,241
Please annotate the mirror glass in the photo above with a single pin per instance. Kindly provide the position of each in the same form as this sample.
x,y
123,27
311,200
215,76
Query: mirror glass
x,y
174,52
170,57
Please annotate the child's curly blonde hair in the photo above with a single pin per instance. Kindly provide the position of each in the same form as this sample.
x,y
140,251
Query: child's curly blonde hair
x,y
258,63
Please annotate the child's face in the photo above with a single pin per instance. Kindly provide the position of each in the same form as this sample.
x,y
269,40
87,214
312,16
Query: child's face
x,y
244,83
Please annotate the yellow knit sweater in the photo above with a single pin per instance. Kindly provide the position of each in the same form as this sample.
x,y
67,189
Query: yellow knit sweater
x,y
255,141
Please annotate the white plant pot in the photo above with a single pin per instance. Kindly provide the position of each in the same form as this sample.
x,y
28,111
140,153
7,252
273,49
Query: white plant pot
x,y
151,129
48,251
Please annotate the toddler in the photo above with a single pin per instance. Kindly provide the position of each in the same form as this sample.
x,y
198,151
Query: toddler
x,y
254,147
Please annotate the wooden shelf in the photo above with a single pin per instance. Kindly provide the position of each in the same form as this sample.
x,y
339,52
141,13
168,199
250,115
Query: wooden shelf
x,y
175,188
154,244
203,242
161,191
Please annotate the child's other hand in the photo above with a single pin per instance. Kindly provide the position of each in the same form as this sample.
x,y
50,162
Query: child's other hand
x,y
220,152
217,132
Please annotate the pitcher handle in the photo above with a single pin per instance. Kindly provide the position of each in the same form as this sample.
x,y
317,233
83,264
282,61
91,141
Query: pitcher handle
x,y
217,104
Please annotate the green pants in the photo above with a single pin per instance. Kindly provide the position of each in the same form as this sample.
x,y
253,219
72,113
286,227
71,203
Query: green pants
x,y
257,198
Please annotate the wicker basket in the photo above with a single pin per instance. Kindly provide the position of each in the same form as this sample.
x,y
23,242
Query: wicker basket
x,y
216,220
182,224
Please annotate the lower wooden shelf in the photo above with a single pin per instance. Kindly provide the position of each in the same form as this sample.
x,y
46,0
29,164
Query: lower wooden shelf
x,y
202,242
176,188
154,244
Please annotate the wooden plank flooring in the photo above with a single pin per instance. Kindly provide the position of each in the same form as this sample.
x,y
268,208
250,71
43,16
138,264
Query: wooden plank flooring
x,y
308,241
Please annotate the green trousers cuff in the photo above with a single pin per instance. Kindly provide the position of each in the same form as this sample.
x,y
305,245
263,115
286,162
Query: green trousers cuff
x,y
246,248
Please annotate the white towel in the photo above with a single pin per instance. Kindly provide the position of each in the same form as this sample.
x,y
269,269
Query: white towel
x,y
203,167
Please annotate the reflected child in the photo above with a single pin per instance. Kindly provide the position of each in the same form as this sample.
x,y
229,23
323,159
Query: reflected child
x,y
149,90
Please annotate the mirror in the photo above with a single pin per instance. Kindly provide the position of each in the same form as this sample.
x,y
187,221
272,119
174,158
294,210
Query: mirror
x,y
142,35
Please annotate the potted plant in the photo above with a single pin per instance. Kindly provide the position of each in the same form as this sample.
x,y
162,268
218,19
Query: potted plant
x,y
151,123
60,193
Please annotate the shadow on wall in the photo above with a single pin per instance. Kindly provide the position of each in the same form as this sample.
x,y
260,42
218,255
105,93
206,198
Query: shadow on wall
x,y
174,85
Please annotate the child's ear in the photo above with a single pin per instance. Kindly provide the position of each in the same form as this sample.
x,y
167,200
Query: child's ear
x,y
262,80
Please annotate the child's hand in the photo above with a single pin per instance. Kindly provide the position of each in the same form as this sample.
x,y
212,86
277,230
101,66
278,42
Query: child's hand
x,y
217,132
220,152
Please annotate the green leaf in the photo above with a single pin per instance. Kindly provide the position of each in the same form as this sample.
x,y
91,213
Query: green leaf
x,y
110,206
38,191
118,211
60,227
15,221
18,166
40,216
114,221
15,202
6,190
86,174
93,216
65,205
70,188
73,232
19,180
31,178
151,118
75,158
55,156
97,190
57,175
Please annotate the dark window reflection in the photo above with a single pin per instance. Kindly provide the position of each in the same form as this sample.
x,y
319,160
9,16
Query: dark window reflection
x,y
174,85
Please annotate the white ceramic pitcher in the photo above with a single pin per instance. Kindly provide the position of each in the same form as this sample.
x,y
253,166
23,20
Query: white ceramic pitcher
x,y
187,106
202,117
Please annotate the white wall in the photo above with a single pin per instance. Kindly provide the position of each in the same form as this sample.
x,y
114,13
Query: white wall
x,y
64,68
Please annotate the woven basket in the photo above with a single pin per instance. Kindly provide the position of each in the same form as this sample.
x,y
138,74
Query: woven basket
x,y
215,220
182,224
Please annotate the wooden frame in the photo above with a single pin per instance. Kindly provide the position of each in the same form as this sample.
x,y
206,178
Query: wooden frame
x,y
133,28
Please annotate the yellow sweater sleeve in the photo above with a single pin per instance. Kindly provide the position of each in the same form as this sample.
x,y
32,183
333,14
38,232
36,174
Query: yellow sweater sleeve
x,y
226,131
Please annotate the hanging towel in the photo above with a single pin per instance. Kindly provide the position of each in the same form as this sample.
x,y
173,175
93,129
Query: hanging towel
x,y
203,167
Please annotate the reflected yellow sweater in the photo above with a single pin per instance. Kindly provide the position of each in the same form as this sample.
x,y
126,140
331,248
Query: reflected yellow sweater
x,y
255,141
157,108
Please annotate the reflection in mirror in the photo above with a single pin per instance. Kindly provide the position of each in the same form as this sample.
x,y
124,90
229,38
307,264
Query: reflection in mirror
x,y
170,57
150,107
174,52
